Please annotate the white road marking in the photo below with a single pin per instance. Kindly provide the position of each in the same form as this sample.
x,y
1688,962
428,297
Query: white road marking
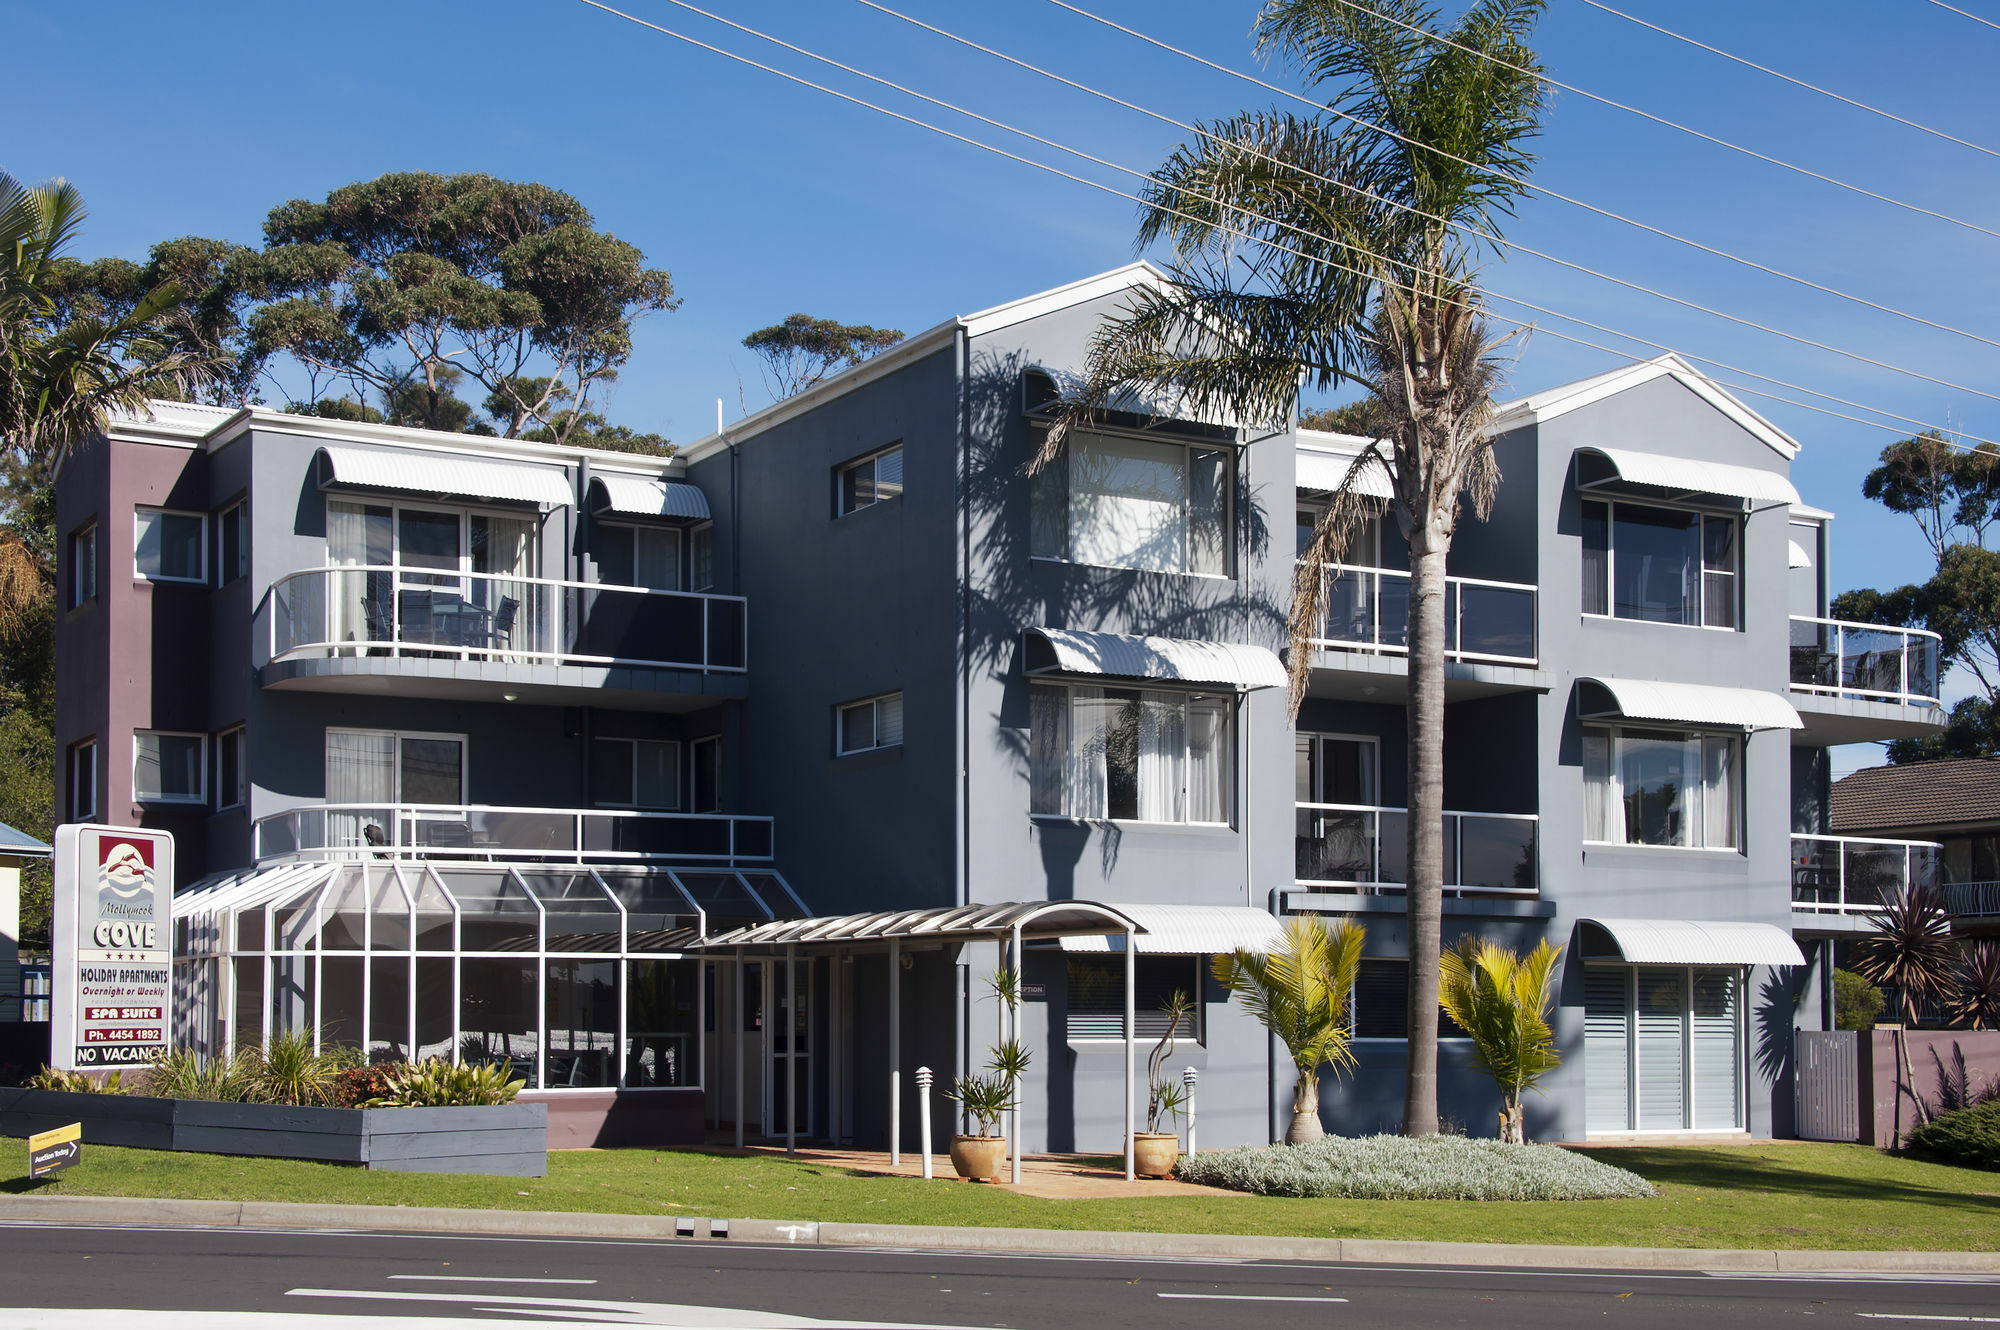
x,y
1243,1297
131,1318
490,1279
1912,1316
606,1311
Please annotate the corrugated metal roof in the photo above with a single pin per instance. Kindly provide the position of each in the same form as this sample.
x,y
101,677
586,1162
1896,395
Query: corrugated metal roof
x,y
1951,792
20,843
1326,472
1189,930
1699,942
1698,704
409,470
1227,664
639,496
944,924
1690,476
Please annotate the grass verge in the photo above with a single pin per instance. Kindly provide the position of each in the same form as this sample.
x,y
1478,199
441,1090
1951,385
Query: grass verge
x,y
1827,1197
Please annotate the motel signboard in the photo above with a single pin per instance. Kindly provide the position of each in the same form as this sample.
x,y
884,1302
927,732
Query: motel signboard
x,y
111,996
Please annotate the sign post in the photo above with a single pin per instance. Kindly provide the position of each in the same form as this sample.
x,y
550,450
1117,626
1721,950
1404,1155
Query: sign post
x,y
53,1151
111,998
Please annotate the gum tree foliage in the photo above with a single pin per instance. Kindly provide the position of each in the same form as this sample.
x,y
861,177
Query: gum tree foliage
x,y
1280,278
802,350
391,283
1363,416
1953,496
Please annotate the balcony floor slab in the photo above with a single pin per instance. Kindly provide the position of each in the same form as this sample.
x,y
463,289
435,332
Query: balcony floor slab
x,y
628,688
1302,900
1366,676
1844,720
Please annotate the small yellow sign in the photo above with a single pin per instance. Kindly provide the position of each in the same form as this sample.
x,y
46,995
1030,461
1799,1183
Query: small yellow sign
x,y
52,1151
43,1140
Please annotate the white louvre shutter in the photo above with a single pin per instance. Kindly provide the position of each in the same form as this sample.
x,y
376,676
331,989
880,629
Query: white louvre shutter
x,y
1662,1011
1718,1051
1607,1052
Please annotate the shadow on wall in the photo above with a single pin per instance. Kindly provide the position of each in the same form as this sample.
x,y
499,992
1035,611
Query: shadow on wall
x,y
1777,1004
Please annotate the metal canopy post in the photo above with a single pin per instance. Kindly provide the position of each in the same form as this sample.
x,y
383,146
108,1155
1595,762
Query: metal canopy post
x,y
895,1052
1014,1033
791,1050
736,1019
1131,1046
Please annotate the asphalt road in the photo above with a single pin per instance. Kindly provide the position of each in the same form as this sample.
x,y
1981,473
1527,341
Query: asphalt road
x,y
101,1277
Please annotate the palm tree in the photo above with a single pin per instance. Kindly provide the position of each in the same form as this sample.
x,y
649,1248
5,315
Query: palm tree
x,y
1911,951
1300,992
1502,1001
1339,249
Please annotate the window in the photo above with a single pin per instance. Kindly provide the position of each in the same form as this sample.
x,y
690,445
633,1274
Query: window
x,y
1096,995
871,480
647,556
83,565
167,768
874,723
1381,1003
1119,502
1130,754
707,776
229,783
388,767
169,547
1661,787
1663,1048
232,548
420,590
1660,565
1335,769
83,781
636,773
701,558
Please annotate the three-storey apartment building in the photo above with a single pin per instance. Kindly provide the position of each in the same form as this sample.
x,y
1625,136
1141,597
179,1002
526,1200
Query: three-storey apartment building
x,y
728,782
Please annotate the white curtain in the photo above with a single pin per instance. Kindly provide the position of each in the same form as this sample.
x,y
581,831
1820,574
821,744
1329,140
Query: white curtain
x,y
504,548
346,547
360,769
1162,755
1092,718
656,559
1209,754
1718,792
1128,503
1603,812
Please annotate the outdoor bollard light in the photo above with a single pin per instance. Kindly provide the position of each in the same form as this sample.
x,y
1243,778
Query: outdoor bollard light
x,y
924,1117
1188,1077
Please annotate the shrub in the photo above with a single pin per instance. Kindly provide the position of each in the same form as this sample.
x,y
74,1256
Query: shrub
x,y
1398,1168
355,1087
186,1075
436,1084
1966,1136
290,1072
1856,1003
77,1082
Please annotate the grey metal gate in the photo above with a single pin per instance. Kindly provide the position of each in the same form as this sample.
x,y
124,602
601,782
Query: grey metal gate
x,y
1827,1082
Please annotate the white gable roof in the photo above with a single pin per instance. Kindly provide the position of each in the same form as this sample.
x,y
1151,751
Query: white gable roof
x,y
1559,401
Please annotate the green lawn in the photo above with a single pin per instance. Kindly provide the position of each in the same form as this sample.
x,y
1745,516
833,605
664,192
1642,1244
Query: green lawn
x,y
1762,1196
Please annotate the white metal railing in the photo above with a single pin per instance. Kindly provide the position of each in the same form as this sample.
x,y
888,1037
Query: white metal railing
x,y
1865,660
404,611
493,832
1855,874
1363,847
1971,900
1368,609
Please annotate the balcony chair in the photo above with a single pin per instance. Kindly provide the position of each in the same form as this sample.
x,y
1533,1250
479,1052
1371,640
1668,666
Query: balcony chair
x,y
500,631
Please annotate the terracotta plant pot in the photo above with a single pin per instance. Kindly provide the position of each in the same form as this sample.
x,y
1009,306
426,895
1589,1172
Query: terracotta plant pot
x,y
1154,1154
978,1158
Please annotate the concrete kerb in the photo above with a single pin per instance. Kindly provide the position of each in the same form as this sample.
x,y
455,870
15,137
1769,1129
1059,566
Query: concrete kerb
x,y
1067,1242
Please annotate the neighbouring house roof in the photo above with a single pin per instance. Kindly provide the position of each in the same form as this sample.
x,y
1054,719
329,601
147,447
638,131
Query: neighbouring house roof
x,y
1918,794
19,844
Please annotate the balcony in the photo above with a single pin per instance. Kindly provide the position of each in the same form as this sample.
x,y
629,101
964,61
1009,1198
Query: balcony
x,y
1855,682
475,635
1363,849
1490,635
1853,875
489,833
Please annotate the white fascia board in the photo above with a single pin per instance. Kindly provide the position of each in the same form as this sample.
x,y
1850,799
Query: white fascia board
x,y
1560,401
1328,441
1805,512
472,445
181,424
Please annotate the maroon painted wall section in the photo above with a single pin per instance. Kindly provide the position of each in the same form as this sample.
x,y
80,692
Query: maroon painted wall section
x,y
1878,1058
580,1119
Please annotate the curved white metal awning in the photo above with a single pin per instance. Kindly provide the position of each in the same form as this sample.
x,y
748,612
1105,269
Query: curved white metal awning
x,y
642,496
1690,704
1188,930
1799,557
963,923
1326,472
1179,660
1687,475
1689,942
415,471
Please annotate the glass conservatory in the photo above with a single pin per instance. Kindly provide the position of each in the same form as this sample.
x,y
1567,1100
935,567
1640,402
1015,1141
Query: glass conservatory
x,y
579,976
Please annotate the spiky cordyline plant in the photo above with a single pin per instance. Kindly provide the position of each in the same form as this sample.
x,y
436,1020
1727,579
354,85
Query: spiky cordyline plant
x,y
1502,1000
1912,951
1974,999
1300,992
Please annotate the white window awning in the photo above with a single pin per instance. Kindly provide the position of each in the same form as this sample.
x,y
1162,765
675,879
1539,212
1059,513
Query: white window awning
x,y
1188,930
416,471
1690,704
1325,473
1800,559
1688,942
1690,476
641,496
1178,660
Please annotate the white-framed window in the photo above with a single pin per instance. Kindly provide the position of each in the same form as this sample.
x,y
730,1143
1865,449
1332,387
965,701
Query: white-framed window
x,y
871,480
706,786
1095,996
871,723
633,554
231,788
394,767
1661,565
442,575
232,544
1648,786
1120,502
701,557
169,768
83,781
636,773
1131,754
1364,547
83,565
169,546
1336,769
1663,1048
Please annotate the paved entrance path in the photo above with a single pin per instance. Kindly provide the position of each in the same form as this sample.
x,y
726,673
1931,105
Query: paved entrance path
x,y
1056,1177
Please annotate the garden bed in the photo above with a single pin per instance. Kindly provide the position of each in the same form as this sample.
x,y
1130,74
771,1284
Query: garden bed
x,y
507,1139
1397,1168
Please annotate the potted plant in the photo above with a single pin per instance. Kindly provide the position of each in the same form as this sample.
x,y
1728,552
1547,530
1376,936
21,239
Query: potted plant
x,y
1155,1152
985,1098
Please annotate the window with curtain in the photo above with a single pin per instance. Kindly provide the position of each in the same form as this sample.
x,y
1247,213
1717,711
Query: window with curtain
x,y
1130,754
1120,502
647,556
1661,565
1662,787
636,773
168,768
380,768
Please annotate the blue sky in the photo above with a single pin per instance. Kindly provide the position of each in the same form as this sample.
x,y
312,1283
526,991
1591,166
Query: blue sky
x,y
763,198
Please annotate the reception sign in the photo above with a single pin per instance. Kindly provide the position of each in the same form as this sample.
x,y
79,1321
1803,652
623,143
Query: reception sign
x,y
112,979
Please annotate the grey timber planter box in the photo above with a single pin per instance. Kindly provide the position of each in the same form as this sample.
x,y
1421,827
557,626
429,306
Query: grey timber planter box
x,y
508,1139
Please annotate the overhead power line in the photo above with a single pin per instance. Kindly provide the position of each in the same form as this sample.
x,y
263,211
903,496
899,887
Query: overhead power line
x,y
1109,189
1521,181
1796,82
1974,17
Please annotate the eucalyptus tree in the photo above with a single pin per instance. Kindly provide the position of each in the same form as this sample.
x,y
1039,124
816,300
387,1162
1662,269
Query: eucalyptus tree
x,y
1339,248
802,350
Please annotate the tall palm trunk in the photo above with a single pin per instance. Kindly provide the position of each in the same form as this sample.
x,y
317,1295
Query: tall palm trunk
x,y
1424,889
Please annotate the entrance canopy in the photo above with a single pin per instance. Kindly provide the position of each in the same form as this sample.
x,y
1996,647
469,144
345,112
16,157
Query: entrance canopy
x,y
1688,942
1188,930
964,923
